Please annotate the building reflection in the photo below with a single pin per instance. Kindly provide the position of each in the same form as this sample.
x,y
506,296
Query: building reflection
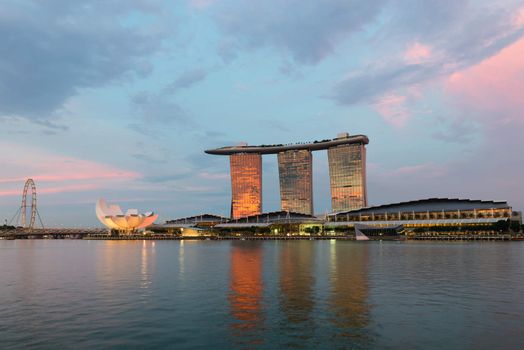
x,y
147,263
349,290
297,287
246,291
126,259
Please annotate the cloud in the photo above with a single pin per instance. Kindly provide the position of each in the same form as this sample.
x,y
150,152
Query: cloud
x,y
158,109
56,173
450,36
308,31
168,177
368,85
519,18
50,125
52,49
493,88
52,190
459,130
484,109
417,53
393,110
186,80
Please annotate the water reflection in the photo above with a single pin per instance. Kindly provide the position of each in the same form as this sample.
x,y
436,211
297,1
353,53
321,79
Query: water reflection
x,y
61,293
297,289
26,264
246,289
147,258
121,261
349,290
181,259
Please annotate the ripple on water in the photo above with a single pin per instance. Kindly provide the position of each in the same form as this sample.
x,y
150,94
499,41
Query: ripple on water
x,y
266,295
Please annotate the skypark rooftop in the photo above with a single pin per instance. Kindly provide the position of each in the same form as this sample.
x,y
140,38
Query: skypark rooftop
x,y
272,149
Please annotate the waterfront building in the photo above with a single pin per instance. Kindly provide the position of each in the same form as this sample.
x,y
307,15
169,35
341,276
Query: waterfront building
x,y
296,181
114,219
347,163
432,216
202,220
278,223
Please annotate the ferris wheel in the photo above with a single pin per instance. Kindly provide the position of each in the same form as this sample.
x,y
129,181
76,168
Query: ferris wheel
x,y
22,211
23,208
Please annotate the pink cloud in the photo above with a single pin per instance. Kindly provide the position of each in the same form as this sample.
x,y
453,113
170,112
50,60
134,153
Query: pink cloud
x,y
66,174
46,166
519,18
392,109
417,53
493,87
51,190
96,172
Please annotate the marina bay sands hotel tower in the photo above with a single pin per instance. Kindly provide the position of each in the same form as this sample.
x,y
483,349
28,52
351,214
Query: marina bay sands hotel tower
x,y
347,174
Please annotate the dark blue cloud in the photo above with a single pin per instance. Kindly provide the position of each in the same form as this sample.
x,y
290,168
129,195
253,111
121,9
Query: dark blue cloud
x,y
159,109
186,80
51,49
307,30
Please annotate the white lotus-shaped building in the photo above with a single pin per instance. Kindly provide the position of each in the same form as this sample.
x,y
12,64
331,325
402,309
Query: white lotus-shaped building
x,y
112,217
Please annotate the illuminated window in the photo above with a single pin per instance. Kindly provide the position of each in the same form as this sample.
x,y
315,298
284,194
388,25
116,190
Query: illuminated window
x,y
347,177
296,185
246,184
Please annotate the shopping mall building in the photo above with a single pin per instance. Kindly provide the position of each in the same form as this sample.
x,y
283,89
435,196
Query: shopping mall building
x,y
429,216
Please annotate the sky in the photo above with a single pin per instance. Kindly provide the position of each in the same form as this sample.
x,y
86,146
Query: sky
x,y
119,98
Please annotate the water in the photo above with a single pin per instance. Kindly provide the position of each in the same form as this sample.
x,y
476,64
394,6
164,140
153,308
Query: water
x,y
260,295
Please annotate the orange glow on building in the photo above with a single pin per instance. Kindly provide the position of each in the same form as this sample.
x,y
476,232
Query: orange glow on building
x,y
246,184
347,170
296,181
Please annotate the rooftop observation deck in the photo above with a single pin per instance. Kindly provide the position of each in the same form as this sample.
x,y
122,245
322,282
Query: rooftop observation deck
x,y
272,149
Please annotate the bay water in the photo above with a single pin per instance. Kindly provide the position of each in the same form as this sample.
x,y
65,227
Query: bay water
x,y
59,294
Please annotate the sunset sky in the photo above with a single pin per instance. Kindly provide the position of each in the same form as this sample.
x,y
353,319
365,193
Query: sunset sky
x,y
119,99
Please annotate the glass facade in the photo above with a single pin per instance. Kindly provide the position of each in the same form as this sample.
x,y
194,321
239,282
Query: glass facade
x,y
246,184
347,177
481,213
296,181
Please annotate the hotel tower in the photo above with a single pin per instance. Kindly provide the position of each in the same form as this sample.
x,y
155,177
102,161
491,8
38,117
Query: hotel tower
x,y
347,174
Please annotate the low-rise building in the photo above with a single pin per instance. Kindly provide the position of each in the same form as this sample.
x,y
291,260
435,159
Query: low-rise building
x,y
430,216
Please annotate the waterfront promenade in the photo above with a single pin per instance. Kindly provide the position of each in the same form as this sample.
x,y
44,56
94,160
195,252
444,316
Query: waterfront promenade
x,y
102,235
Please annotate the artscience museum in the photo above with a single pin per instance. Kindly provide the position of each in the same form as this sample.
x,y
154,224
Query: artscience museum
x,y
113,218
